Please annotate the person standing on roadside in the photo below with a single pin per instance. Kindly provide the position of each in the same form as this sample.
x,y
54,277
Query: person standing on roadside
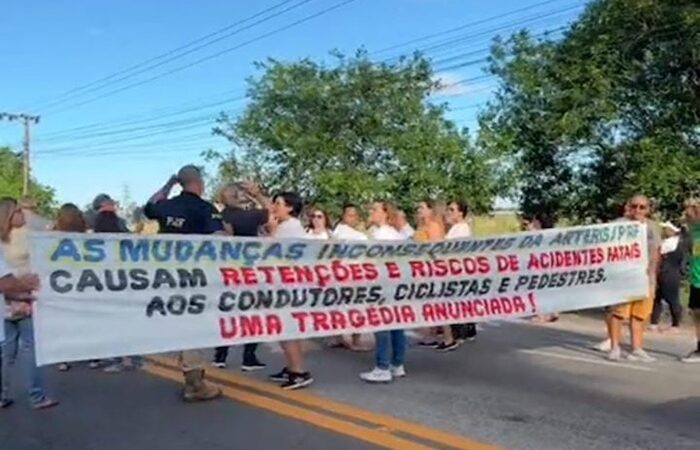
x,y
246,211
692,218
637,312
187,213
456,218
390,345
672,270
18,323
287,207
347,230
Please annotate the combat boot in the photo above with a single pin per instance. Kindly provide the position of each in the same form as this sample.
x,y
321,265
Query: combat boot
x,y
196,389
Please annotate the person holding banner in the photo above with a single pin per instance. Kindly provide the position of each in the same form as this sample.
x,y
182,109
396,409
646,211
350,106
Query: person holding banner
x,y
246,211
692,216
18,323
187,213
387,366
287,207
639,311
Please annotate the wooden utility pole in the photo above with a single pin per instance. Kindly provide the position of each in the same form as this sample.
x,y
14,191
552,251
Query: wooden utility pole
x,y
27,120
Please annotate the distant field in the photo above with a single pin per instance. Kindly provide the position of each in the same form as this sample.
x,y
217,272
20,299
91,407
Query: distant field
x,y
502,223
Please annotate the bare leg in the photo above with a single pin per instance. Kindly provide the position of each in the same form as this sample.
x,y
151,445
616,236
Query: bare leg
x,y
447,336
637,331
294,356
615,330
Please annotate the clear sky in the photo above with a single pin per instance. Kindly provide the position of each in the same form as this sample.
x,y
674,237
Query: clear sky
x,y
144,126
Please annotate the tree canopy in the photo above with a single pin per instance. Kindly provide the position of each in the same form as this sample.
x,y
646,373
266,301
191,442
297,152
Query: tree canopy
x,y
611,109
11,182
354,131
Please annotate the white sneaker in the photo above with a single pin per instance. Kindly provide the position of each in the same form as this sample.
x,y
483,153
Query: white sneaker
x,y
398,371
377,375
603,346
615,354
692,358
640,356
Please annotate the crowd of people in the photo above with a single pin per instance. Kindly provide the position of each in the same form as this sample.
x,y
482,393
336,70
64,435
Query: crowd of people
x,y
241,209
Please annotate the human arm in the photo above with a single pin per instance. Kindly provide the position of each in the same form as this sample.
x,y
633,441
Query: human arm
x,y
163,192
10,284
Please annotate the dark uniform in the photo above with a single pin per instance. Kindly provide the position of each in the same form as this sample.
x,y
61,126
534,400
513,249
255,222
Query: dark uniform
x,y
188,214
185,214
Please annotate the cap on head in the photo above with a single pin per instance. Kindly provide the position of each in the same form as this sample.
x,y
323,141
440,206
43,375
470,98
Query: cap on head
x,y
188,174
100,200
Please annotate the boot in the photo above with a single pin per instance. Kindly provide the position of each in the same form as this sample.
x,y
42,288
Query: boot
x,y
196,389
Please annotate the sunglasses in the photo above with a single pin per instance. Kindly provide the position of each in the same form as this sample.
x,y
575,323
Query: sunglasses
x,y
640,206
317,216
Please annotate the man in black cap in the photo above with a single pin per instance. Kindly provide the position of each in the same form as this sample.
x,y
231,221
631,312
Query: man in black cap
x,y
187,213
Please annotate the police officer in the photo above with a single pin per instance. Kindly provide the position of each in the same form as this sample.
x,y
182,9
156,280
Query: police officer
x,y
187,213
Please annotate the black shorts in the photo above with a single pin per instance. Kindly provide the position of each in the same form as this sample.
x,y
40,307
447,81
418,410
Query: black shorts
x,y
694,302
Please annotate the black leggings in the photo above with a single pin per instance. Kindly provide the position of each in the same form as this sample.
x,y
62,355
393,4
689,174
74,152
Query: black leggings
x,y
670,291
249,356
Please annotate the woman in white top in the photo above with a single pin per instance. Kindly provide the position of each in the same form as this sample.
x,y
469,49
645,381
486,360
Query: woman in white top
x,y
390,346
18,324
319,225
286,207
457,218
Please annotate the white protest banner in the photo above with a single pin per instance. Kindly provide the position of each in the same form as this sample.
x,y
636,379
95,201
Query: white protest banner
x,y
106,295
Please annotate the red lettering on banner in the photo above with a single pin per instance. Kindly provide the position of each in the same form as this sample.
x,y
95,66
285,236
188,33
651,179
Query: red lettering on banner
x,y
506,305
428,313
357,320
304,274
286,275
467,309
250,326
509,263
418,269
440,310
230,276
495,306
373,318
387,315
268,272
519,304
300,317
338,320
407,314
371,272
478,308
392,270
356,272
320,321
249,276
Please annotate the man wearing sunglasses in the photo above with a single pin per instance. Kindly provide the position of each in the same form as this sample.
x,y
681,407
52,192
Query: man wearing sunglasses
x,y
638,208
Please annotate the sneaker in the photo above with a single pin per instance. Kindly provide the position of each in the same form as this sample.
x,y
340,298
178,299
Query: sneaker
x,y
377,375
693,357
615,354
219,365
63,367
46,403
398,371
428,344
252,366
444,348
6,403
281,376
297,381
653,328
114,368
603,346
640,356
94,364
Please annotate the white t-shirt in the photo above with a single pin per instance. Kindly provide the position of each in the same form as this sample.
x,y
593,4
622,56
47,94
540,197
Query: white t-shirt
x,y
290,229
321,236
407,231
387,233
459,230
5,270
348,233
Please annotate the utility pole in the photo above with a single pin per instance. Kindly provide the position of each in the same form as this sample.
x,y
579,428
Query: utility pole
x,y
27,120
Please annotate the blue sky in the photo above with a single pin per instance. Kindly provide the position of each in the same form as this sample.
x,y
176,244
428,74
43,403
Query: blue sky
x,y
54,47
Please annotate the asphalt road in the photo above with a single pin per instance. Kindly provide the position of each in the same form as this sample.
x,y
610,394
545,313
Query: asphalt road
x,y
519,386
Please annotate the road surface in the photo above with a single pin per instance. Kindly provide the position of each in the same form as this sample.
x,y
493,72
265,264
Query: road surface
x,y
519,386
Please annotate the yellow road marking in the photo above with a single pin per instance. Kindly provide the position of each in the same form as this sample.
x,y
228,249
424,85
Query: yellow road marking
x,y
379,420
373,436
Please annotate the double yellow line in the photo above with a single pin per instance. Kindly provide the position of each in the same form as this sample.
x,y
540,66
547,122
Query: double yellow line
x,y
377,429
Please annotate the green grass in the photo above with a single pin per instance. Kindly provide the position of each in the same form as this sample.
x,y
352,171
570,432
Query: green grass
x,y
489,225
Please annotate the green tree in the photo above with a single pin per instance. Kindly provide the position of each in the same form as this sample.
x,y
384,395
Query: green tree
x,y
611,109
11,182
355,131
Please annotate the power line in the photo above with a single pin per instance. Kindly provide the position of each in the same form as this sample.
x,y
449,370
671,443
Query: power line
x,y
209,57
110,79
461,27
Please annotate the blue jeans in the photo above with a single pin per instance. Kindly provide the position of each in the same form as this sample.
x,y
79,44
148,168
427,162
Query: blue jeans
x,y
19,336
393,341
